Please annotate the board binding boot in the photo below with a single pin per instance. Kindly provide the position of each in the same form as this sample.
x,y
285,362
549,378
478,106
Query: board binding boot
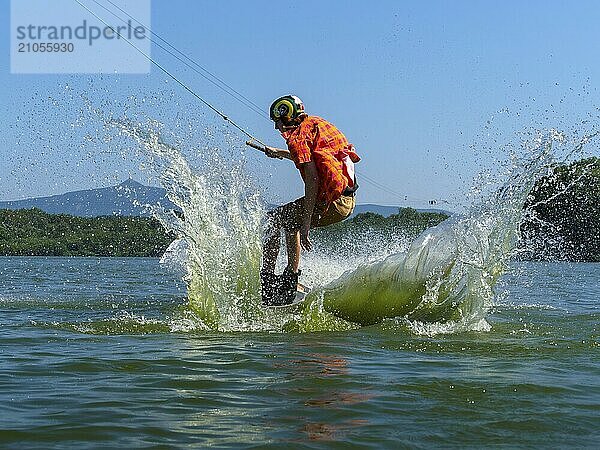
x,y
289,286
270,285
281,290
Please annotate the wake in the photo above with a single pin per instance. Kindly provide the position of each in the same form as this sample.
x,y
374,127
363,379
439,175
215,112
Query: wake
x,y
442,282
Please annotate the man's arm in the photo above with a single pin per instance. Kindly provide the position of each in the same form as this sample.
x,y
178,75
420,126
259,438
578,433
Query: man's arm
x,y
311,186
274,152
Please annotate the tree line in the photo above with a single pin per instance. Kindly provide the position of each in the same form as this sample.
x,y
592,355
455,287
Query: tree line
x,y
562,214
562,222
33,232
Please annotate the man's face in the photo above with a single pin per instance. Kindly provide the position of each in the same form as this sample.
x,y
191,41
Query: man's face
x,y
279,125
283,124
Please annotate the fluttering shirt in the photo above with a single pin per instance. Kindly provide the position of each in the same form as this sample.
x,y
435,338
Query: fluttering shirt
x,y
318,140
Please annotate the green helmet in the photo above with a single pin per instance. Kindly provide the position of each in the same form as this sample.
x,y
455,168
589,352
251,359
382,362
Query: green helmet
x,y
288,107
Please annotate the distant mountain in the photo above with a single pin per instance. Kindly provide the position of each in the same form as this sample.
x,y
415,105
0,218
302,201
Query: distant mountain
x,y
387,211
129,198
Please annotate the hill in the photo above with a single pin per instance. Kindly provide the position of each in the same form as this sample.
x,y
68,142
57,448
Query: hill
x,y
129,198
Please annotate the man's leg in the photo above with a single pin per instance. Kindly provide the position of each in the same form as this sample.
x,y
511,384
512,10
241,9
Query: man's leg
x,y
286,217
283,217
275,287
337,211
271,251
292,241
289,277
272,238
269,284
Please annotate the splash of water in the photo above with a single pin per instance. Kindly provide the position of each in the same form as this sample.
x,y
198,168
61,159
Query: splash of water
x,y
443,283
220,227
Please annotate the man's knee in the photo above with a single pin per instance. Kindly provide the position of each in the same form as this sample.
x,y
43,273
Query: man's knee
x,y
285,217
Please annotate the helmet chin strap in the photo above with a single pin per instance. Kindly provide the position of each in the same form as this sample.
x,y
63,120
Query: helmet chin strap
x,y
297,122
290,127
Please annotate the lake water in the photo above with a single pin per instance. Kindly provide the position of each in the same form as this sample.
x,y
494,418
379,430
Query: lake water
x,y
104,353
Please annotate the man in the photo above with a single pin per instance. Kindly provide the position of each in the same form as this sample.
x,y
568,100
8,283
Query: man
x,y
325,160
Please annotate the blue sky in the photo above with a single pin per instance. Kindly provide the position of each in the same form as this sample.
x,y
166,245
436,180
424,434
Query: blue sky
x,y
416,86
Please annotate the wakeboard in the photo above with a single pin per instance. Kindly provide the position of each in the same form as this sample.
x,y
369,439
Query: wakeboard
x,y
301,292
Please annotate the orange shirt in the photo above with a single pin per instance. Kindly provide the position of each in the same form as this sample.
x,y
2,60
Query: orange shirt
x,y
317,140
